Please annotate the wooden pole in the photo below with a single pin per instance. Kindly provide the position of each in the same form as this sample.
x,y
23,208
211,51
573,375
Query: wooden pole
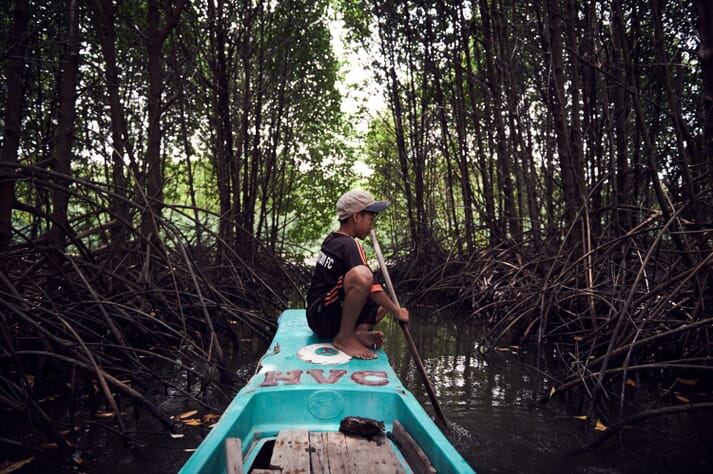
x,y
407,333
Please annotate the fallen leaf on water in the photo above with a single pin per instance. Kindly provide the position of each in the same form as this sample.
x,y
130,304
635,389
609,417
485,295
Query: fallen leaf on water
x,y
599,426
210,418
17,465
192,421
683,381
187,414
177,435
631,382
109,414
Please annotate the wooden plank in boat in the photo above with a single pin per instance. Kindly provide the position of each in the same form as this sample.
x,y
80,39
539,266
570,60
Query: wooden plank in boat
x,y
318,453
233,456
375,455
291,452
336,449
412,452
332,453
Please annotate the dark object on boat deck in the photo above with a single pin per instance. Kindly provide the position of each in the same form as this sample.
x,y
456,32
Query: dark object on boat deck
x,y
356,425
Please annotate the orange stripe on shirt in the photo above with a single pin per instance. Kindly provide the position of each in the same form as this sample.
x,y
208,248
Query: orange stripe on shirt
x,y
333,294
361,252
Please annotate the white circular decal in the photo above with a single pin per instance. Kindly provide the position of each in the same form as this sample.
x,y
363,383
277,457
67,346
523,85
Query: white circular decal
x,y
323,353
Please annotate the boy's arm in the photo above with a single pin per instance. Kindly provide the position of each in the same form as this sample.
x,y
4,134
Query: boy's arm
x,y
380,297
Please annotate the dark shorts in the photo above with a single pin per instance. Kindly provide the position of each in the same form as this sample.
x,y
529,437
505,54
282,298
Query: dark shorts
x,y
325,319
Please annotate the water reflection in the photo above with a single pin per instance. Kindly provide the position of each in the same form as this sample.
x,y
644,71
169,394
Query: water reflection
x,y
495,420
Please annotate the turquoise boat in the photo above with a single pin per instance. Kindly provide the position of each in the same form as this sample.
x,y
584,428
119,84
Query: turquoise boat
x,y
287,418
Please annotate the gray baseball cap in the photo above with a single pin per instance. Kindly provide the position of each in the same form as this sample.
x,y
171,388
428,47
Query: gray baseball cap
x,y
355,201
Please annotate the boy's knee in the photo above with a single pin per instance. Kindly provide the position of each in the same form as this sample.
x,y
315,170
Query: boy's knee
x,y
360,276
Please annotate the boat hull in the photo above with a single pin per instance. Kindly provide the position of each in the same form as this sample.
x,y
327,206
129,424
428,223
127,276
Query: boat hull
x,y
289,392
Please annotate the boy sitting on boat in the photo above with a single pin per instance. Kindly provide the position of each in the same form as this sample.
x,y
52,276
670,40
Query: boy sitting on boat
x,y
343,302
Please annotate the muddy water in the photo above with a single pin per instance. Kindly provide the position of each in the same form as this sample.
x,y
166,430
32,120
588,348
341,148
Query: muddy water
x,y
490,403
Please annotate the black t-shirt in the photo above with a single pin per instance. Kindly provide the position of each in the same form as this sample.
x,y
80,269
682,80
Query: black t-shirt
x,y
339,254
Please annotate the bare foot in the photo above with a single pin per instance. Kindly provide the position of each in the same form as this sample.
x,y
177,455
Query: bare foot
x,y
353,347
370,338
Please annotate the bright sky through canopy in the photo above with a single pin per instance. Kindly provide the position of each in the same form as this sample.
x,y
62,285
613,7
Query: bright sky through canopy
x,y
362,99
358,85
